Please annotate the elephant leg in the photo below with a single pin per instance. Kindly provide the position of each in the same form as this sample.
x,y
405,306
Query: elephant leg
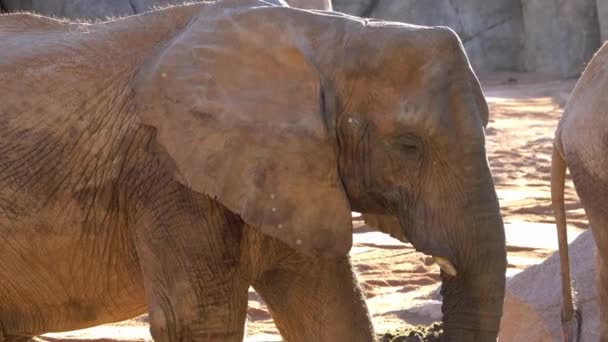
x,y
316,299
593,192
602,291
598,220
188,247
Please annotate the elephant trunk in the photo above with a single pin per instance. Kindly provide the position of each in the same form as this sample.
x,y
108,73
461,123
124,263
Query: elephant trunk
x,y
473,312
456,335
473,298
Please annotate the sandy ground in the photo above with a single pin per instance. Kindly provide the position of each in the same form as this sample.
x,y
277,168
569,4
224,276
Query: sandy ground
x,y
402,285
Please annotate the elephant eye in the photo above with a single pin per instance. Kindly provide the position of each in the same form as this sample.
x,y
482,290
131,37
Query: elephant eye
x,y
408,143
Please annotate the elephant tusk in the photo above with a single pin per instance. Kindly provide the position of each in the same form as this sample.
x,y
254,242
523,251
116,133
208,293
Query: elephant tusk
x,y
446,266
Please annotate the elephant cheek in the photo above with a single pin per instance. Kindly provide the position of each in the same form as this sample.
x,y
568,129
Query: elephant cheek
x,y
424,229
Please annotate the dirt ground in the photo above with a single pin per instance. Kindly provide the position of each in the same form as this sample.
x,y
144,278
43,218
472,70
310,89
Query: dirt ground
x,y
402,285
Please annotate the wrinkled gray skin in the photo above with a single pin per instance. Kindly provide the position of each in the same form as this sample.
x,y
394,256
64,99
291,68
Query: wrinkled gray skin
x,y
158,169
580,144
100,9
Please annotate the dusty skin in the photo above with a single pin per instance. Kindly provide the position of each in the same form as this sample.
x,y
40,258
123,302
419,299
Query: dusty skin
x,y
401,285
169,161
580,145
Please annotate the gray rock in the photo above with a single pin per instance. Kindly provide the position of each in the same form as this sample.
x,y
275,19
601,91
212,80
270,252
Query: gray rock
x,y
355,7
490,30
532,308
311,4
602,15
498,48
560,36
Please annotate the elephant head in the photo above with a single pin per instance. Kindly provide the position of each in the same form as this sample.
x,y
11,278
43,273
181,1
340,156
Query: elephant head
x,y
292,119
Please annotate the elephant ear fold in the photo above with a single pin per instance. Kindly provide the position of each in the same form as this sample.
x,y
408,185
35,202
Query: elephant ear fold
x,y
387,224
240,113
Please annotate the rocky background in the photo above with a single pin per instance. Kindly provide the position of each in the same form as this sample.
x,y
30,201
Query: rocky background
x,y
101,9
554,37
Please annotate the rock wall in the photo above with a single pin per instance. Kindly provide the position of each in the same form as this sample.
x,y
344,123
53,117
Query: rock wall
x,y
311,4
560,36
490,30
554,37
602,15
101,9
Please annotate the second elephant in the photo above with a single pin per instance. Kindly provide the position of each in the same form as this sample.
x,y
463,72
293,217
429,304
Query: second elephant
x,y
581,144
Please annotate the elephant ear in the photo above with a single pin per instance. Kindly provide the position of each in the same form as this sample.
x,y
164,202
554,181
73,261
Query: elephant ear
x,y
385,223
240,111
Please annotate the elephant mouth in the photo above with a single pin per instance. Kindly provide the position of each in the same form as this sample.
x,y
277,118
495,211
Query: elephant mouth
x,y
390,225
387,224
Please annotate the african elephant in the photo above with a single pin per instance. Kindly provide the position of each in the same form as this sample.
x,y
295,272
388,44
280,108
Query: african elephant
x,y
580,145
167,161
100,9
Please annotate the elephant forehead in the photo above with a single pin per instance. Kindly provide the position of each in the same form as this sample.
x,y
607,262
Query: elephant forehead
x,y
409,100
408,114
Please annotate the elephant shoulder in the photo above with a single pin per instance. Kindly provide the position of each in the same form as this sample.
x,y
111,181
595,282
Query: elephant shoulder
x,y
23,23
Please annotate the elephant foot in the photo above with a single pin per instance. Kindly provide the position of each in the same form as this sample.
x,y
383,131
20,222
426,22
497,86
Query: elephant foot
x,y
571,330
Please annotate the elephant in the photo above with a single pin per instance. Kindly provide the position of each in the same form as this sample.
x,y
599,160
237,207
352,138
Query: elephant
x,y
165,162
579,144
100,9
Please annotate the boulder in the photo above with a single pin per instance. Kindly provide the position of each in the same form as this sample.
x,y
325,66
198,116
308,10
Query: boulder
x,y
560,36
532,308
490,30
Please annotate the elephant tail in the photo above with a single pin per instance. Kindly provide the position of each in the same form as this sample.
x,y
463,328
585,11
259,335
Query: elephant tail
x,y
558,180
